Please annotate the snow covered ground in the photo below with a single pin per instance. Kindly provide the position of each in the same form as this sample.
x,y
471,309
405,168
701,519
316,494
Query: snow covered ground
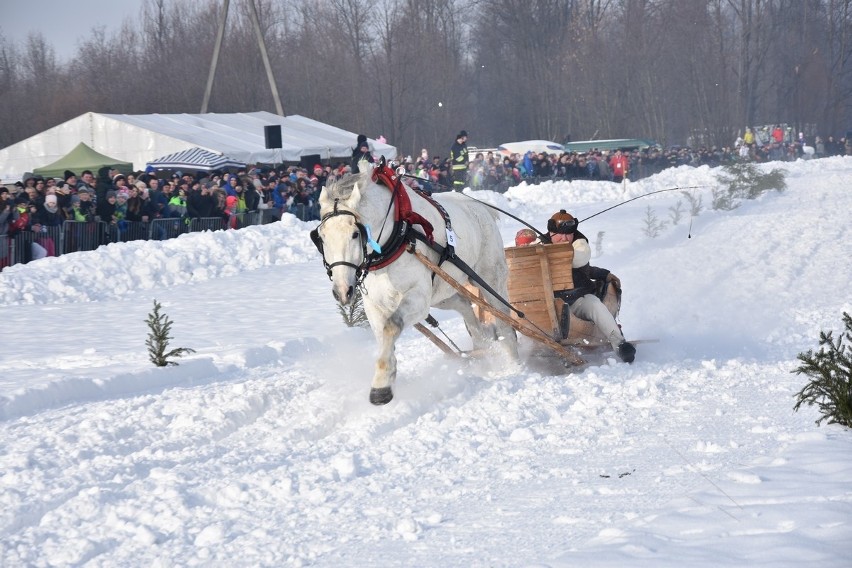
x,y
261,449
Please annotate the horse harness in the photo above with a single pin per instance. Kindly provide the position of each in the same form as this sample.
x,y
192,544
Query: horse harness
x,y
403,236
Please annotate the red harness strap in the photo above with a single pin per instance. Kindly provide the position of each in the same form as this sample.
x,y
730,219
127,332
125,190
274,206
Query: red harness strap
x,y
403,212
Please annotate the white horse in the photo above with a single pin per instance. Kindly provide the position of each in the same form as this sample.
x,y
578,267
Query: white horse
x,y
361,217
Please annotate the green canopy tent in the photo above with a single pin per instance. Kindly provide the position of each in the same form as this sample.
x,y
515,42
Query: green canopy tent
x,y
82,157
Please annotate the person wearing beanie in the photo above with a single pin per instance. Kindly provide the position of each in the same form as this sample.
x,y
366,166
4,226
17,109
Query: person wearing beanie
x,y
105,209
361,153
19,219
582,299
230,211
176,206
49,217
20,216
248,197
525,237
459,161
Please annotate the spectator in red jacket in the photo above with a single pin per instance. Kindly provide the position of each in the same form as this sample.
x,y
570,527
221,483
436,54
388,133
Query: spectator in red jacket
x,y
618,166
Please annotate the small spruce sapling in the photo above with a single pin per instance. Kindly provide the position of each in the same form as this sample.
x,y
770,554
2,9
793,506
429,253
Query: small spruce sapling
x,y
722,200
744,180
695,205
354,314
830,370
158,339
653,226
676,212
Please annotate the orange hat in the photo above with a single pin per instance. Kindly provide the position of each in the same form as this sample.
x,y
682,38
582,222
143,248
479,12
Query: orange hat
x,y
524,237
560,222
562,215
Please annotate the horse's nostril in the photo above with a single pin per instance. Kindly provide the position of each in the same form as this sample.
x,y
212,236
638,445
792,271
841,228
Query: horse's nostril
x,y
335,294
350,293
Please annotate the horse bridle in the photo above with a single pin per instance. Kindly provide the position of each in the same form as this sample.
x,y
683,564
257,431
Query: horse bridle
x,y
401,238
360,269
372,259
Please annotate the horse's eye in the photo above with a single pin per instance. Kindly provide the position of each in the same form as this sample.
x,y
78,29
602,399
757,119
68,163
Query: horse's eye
x,y
355,234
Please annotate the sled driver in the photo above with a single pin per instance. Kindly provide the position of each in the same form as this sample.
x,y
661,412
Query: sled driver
x,y
582,300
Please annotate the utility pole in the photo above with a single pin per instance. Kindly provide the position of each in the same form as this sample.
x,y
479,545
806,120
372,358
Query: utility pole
x,y
263,54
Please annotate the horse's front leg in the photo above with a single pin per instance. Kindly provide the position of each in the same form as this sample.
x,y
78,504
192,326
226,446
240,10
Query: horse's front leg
x,y
381,391
387,322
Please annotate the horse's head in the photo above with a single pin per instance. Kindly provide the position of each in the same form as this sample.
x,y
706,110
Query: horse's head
x,y
340,237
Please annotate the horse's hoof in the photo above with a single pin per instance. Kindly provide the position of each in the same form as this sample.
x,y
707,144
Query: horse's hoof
x,y
381,396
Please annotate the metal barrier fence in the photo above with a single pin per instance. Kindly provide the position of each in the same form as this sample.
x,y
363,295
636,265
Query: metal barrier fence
x,y
207,224
7,251
269,216
306,212
127,231
75,236
168,228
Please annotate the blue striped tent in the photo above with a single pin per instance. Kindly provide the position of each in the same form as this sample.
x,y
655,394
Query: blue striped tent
x,y
197,159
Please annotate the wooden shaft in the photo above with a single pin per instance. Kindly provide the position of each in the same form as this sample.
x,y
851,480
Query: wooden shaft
x,y
435,339
523,328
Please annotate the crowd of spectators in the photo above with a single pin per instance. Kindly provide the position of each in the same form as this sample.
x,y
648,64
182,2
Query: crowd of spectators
x,y
37,204
495,171
120,201
114,197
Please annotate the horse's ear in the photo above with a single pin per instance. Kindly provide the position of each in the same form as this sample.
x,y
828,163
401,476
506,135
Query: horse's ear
x,y
355,196
325,201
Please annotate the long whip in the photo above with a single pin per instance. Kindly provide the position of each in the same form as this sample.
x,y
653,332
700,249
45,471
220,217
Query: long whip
x,y
542,235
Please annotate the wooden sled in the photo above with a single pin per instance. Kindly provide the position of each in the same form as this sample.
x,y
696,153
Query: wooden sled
x,y
535,272
519,324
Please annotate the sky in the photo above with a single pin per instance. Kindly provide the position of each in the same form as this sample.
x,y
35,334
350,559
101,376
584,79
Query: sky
x,y
261,448
63,23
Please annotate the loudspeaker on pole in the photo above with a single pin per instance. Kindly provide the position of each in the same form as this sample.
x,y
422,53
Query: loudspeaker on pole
x,y
272,134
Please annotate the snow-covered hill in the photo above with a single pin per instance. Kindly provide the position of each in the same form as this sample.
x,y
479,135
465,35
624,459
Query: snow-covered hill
x,y
261,449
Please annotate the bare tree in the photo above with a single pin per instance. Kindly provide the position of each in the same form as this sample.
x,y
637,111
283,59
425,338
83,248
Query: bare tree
x,y
417,71
838,59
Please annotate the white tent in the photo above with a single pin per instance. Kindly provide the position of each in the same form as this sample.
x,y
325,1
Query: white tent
x,y
536,146
142,138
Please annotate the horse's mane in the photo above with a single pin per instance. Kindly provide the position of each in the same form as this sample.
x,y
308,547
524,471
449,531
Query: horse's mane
x,y
341,188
